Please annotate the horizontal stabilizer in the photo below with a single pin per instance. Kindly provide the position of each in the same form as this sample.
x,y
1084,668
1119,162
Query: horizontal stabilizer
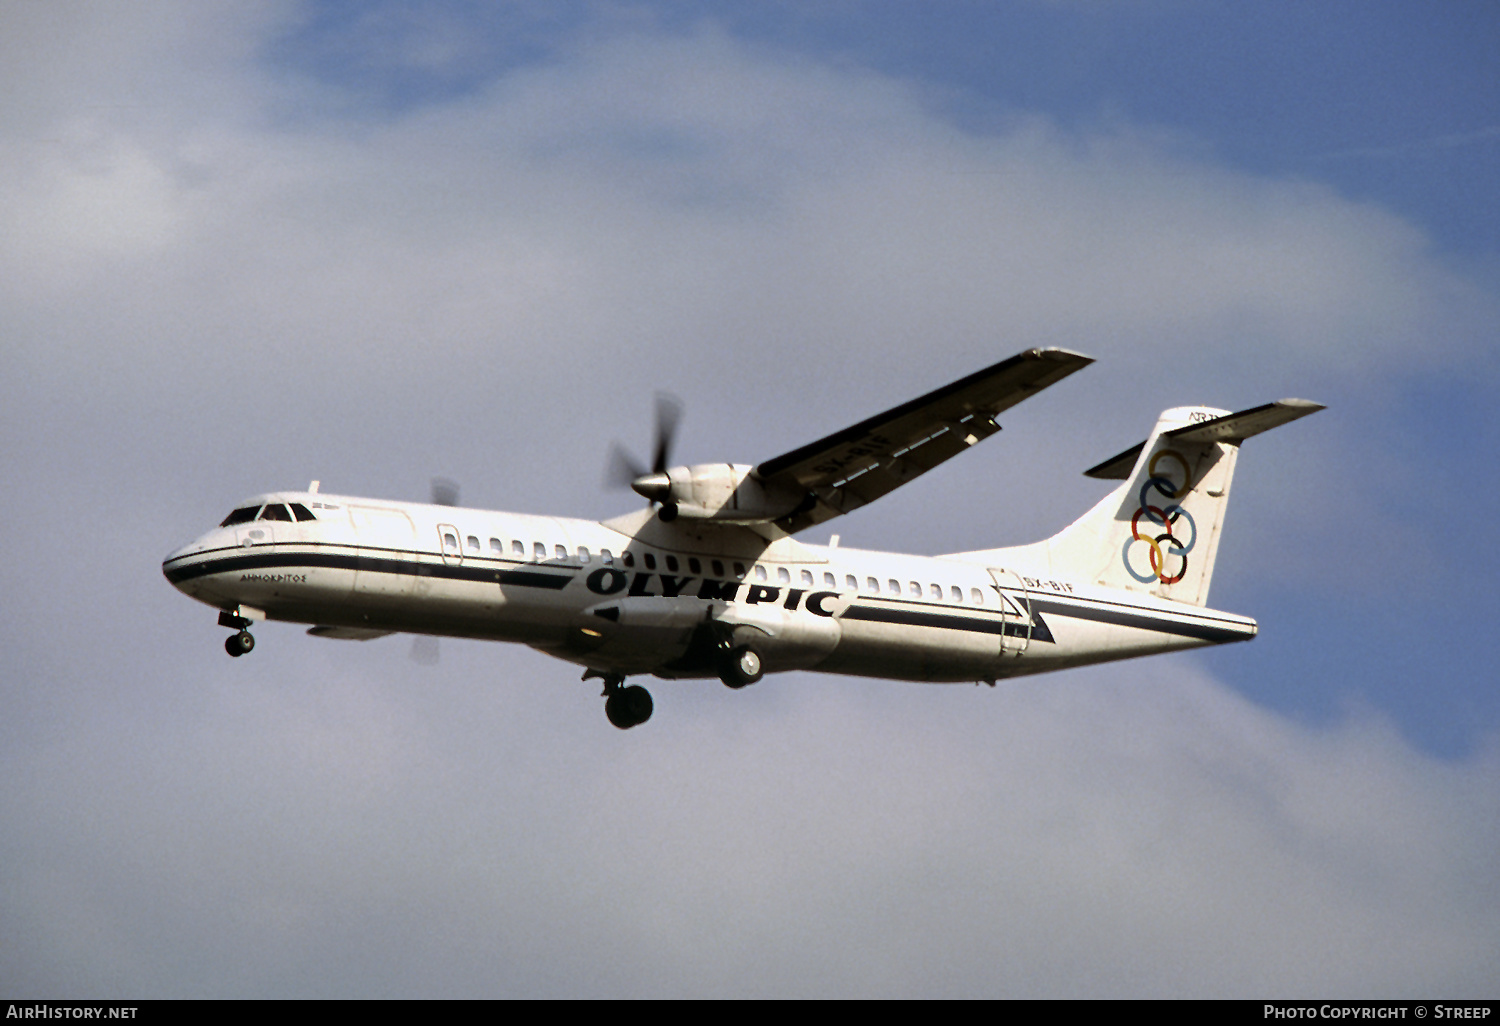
x,y
1232,428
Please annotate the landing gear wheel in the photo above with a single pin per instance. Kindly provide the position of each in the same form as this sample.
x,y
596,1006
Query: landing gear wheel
x,y
239,644
614,709
742,667
638,700
628,707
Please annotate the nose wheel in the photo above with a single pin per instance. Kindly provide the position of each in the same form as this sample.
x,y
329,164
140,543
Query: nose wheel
x,y
238,644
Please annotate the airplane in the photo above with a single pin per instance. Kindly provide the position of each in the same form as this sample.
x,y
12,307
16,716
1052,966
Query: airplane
x,y
708,581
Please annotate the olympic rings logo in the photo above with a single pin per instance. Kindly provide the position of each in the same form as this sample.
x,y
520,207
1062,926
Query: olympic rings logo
x,y
1169,517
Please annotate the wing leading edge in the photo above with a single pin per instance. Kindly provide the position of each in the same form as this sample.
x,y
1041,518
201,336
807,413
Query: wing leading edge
x,y
859,464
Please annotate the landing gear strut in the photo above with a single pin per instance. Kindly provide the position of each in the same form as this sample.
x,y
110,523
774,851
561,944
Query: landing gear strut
x,y
625,707
237,644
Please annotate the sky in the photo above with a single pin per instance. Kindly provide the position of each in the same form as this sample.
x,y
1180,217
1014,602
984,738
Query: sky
x,y
248,245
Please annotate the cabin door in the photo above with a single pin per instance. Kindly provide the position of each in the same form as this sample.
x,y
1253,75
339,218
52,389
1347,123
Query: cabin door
x,y
1015,611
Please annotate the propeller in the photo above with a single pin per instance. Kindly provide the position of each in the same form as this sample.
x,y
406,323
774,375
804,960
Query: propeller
x,y
626,471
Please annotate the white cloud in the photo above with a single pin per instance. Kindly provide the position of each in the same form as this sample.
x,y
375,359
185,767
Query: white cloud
x,y
1138,831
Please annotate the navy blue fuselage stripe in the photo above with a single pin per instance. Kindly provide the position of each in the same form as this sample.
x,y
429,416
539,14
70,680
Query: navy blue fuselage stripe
x,y
906,614
367,564
1144,621
920,618
1040,631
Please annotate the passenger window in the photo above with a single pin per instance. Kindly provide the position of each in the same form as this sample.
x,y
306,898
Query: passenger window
x,y
851,582
628,559
807,578
958,594
916,589
937,592
694,566
739,571
672,563
497,546
977,596
606,557
718,568
783,575
583,554
241,516
539,550
650,561
517,547
450,543
473,542
562,551
760,572
893,586
830,581
275,512
301,512
872,586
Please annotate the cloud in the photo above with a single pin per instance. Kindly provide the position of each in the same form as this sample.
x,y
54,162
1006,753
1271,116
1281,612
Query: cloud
x,y
650,187
1131,831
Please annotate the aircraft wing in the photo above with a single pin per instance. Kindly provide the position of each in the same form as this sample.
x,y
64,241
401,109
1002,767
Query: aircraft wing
x,y
861,463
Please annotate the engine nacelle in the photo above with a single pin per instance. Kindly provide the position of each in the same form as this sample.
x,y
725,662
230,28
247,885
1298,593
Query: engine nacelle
x,y
726,492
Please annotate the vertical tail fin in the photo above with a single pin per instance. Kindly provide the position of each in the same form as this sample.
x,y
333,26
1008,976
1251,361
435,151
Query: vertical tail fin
x,y
1159,531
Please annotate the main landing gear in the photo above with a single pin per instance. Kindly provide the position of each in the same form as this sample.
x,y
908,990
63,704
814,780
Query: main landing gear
x,y
237,644
625,707
741,666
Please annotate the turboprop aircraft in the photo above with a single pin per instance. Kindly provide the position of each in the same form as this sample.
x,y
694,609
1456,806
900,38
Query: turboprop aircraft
x,y
708,581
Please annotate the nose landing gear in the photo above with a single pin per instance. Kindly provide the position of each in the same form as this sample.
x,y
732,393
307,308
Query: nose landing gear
x,y
237,644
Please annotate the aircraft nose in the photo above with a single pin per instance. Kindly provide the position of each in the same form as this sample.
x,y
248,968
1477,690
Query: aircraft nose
x,y
172,565
171,558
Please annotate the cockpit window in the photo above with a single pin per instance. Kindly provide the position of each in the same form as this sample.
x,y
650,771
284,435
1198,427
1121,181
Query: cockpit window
x,y
301,512
275,511
241,516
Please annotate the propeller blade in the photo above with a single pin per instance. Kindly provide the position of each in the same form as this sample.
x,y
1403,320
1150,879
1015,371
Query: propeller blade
x,y
624,470
444,492
668,413
623,467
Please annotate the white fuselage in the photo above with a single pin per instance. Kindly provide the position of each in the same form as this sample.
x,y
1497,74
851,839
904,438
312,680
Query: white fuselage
x,y
634,595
